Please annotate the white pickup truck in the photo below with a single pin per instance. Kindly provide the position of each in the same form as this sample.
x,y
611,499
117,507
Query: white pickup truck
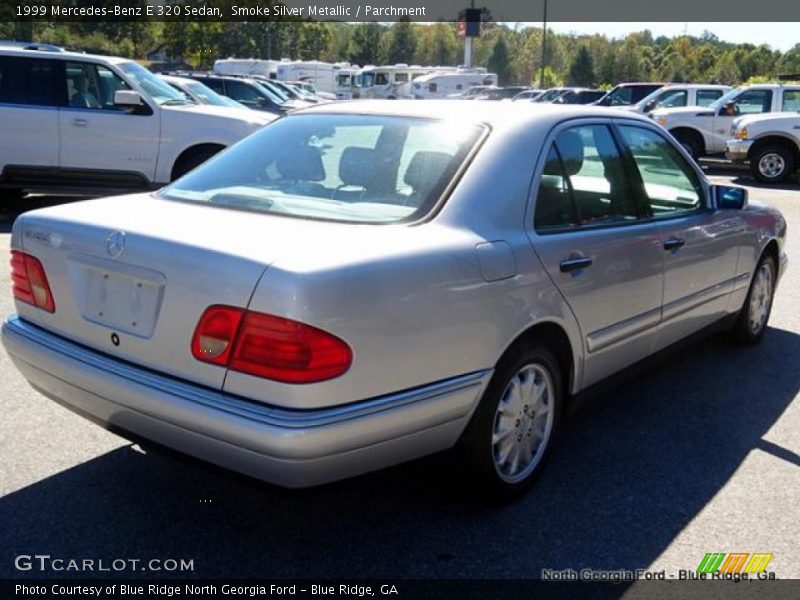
x,y
704,131
771,143
90,125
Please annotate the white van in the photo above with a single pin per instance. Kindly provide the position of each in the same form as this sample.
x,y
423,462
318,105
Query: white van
x,y
90,125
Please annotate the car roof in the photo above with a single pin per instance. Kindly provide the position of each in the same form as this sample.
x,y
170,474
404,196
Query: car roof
x,y
495,115
46,51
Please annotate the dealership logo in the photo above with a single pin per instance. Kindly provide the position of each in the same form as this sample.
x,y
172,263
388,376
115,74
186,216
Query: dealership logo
x,y
734,563
115,244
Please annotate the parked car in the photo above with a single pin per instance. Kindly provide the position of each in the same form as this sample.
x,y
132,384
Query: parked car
x,y
528,95
703,132
86,124
579,96
551,95
199,93
245,91
770,143
680,94
502,93
626,94
340,296
473,92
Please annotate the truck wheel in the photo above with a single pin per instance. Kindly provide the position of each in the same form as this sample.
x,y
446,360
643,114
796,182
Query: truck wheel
x,y
194,157
510,436
690,143
772,164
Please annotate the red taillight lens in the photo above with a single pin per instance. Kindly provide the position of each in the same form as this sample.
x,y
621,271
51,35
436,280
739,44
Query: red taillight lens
x,y
288,351
215,333
268,346
29,282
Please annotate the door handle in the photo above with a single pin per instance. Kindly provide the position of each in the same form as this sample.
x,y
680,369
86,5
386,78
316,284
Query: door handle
x,y
673,244
80,122
573,264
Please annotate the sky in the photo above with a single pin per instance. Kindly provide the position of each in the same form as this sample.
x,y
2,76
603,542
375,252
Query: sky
x,y
781,36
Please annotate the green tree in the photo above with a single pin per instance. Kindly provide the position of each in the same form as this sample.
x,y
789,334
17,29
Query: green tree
x,y
402,42
365,43
499,61
581,70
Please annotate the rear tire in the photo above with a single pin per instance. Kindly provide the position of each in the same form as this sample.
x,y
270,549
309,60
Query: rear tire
x,y
509,439
754,315
193,158
772,164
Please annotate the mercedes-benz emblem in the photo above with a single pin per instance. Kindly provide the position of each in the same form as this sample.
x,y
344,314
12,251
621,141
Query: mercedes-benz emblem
x,y
115,244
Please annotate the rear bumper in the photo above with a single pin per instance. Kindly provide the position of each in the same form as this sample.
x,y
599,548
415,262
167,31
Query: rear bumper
x,y
292,448
736,150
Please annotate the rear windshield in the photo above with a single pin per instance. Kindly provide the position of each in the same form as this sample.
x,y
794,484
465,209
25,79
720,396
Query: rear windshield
x,y
352,168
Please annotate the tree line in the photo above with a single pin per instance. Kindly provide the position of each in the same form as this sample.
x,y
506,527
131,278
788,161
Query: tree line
x,y
513,52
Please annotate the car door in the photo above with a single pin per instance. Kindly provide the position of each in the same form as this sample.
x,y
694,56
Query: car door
x,y
603,256
749,102
700,244
102,143
29,99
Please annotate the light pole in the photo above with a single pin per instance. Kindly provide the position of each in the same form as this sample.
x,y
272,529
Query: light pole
x,y
544,47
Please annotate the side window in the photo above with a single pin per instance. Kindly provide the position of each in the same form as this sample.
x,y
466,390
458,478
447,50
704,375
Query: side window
x,y
706,97
381,79
244,93
215,84
31,81
672,99
754,102
92,86
791,101
670,184
432,87
584,182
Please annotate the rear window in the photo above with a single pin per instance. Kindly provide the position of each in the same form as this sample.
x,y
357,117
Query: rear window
x,y
351,168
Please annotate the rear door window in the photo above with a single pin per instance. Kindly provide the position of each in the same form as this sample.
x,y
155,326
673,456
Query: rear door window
x,y
31,81
584,182
706,97
791,101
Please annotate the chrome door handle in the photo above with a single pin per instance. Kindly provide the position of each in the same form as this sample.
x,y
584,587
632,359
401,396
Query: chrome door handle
x,y
673,243
80,122
573,264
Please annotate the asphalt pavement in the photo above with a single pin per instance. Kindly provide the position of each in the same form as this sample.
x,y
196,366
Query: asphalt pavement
x,y
699,453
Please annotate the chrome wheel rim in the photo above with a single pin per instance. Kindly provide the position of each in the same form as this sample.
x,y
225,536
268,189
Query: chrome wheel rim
x,y
761,298
771,165
523,423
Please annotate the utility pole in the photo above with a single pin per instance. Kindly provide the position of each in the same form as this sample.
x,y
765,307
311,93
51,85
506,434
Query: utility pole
x,y
544,47
468,44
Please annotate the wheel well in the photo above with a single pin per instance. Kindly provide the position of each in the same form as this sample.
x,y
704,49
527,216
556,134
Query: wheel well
x,y
190,151
691,134
772,248
555,338
775,140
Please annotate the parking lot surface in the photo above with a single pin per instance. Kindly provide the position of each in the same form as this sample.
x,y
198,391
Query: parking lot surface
x,y
699,453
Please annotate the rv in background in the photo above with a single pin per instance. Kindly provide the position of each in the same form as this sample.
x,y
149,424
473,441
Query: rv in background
x,y
247,66
321,74
390,81
440,85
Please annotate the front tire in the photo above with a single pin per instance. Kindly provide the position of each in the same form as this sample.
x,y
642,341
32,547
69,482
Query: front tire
x,y
754,315
510,437
772,164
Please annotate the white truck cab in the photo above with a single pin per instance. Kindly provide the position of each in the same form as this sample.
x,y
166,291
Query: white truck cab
x,y
87,124
704,131
675,95
771,144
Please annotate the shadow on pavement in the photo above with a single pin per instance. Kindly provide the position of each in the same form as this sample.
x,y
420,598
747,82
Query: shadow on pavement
x,y
635,465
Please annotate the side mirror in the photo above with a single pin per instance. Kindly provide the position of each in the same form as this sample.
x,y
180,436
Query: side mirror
x,y
650,106
729,197
728,109
127,99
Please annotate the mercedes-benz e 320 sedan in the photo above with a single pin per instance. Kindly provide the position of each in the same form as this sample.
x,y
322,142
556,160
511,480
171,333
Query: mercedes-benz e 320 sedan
x,y
358,285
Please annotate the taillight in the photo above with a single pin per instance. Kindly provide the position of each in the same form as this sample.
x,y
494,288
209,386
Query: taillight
x,y
269,346
29,282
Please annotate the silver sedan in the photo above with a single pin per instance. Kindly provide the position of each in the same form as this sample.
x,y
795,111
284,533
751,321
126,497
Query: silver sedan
x,y
362,284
